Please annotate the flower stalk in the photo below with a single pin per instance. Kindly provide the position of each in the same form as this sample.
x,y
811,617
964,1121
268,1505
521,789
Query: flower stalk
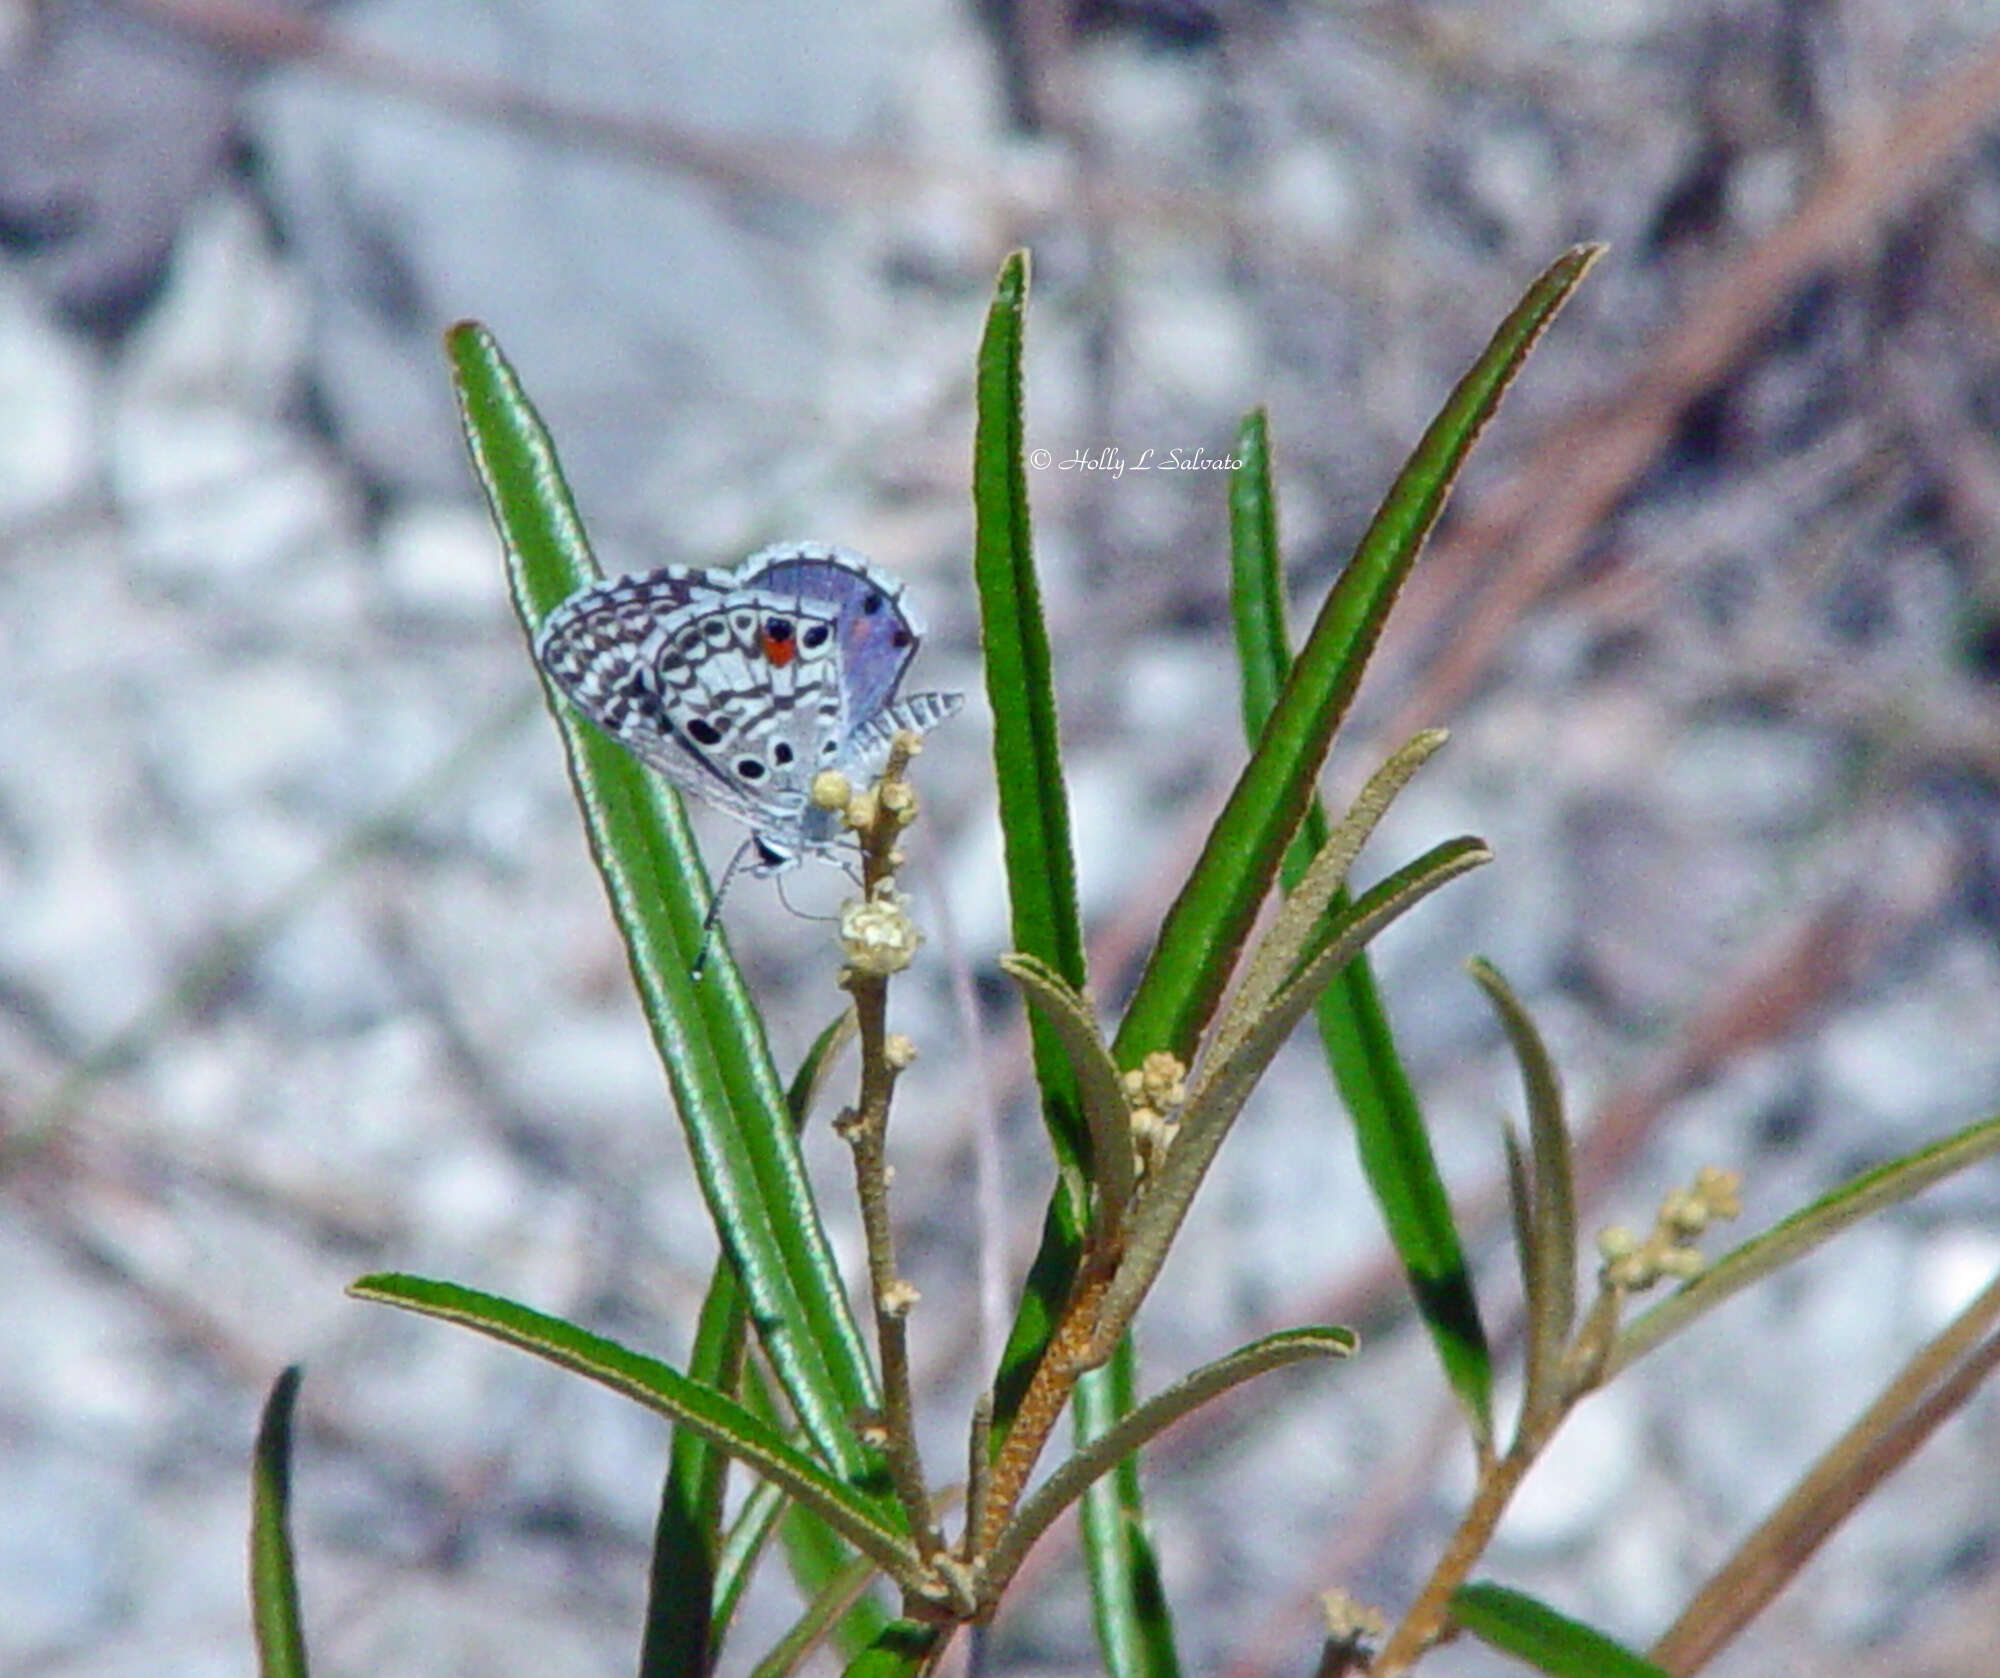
x,y
879,939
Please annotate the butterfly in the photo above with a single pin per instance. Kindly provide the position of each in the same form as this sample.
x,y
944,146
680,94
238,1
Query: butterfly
x,y
741,686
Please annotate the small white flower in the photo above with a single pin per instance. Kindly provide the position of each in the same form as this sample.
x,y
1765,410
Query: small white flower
x,y
878,936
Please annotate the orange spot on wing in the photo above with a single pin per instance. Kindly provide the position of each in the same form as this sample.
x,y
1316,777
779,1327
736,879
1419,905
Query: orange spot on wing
x,y
780,650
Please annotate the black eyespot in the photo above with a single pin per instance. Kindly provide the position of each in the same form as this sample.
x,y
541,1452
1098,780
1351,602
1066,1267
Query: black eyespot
x,y
902,638
781,753
690,643
872,602
778,629
828,747
815,637
704,732
750,769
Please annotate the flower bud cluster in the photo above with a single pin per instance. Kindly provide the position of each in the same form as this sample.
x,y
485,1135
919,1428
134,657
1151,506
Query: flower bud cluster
x,y
1157,1089
1631,1264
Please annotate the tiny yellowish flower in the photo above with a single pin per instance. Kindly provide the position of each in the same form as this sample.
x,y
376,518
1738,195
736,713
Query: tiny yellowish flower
x,y
878,936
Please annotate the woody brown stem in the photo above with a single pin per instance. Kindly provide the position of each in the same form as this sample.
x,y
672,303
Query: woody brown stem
x,y
1072,1350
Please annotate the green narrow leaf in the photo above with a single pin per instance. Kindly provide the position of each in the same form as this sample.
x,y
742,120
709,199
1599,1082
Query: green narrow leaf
x,y
903,1649
1527,1241
688,1607
1128,1598
1551,1189
1034,804
274,1584
1282,953
736,1557
1390,1138
1519,1625
1099,1087
823,1613
1041,883
682,1632
814,1553
708,1034
1203,931
862,1521
1221,1086
1020,685
1799,1234
1140,1423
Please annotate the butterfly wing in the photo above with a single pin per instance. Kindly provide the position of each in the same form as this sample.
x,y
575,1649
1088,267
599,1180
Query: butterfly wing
x,y
740,686
728,696
878,632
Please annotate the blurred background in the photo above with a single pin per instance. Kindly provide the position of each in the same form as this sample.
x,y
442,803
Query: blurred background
x,y
303,970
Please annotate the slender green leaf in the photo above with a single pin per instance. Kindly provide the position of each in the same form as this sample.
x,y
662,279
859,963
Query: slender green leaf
x,y
1551,1189
823,1613
1034,804
814,1553
1257,591
1222,1086
736,1557
688,1607
903,1649
1099,1087
1128,1598
1527,1247
274,1583
862,1521
1142,1422
1519,1625
1389,1134
1020,685
1205,928
1799,1234
1285,949
709,1036
681,1634
1041,883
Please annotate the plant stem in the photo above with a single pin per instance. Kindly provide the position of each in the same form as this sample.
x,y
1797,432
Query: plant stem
x,y
1073,1349
1499,1478
1421,1626
865,1127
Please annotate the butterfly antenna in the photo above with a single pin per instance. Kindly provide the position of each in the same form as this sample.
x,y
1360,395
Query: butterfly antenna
x,y
708,921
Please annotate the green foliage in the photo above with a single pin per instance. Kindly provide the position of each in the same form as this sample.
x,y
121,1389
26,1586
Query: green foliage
x,y
274,1584
1517,1624
1135,1122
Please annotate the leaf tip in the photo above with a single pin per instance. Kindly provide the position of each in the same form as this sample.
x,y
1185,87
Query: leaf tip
x,y
1012,286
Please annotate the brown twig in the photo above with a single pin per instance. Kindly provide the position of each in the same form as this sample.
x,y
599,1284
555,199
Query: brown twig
x,y
879,942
